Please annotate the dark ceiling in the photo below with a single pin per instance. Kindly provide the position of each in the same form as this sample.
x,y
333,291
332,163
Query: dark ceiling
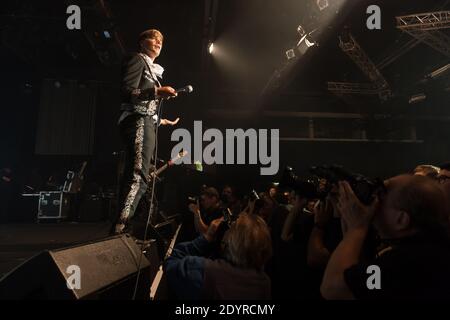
x,y
253,35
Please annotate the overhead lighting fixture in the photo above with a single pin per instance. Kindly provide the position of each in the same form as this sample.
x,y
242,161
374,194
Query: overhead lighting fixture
x,y
107,34
211,48
417,98
439,72
301,31
309,43
290,54
322,4
305,43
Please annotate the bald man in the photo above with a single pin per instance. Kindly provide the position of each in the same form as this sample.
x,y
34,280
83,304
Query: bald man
x,y
411,218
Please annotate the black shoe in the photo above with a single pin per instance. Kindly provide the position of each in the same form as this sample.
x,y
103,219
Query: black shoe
x,y
122,227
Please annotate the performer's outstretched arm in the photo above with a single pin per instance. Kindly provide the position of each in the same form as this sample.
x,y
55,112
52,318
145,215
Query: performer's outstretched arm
x,y
165,122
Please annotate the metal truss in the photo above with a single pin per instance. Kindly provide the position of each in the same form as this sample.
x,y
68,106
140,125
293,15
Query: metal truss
x,y
435,39
341,88
352,88
425,21
397,53
349,45
425,28
209,27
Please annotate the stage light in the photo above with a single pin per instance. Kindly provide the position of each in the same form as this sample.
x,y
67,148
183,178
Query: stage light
x,y
305,43
417,98
290,54
211,48
322,4
301,31
439,72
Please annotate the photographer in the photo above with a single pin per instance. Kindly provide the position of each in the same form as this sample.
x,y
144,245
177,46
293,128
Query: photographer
x,y
444,180
231,199
287,265
426,170
444,174
266,208
325,234
246,247
311,237
411,218
296,210
207,210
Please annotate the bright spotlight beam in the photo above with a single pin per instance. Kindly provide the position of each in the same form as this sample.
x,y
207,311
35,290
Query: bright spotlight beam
x,y
211,48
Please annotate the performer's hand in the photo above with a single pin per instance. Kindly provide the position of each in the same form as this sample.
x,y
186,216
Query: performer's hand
x,y
165,92
165,122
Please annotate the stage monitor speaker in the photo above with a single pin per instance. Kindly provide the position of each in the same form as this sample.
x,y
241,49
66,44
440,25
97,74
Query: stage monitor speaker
x,y
107,269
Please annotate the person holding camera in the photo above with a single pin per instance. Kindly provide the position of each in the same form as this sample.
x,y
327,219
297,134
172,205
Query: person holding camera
x,y
426,170
231,199
238,274
444,179
206,210
411,218
308,239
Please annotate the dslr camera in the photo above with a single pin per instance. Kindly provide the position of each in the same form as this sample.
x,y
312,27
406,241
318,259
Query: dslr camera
x,y
193,200
364,188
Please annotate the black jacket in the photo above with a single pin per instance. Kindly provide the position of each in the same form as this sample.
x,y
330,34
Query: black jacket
x,y
138,85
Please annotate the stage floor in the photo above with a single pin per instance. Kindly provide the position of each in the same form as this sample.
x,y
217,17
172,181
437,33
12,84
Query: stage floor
x,y
19,242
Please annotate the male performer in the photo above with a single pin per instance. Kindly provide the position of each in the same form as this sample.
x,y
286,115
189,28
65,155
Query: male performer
x,y
141,95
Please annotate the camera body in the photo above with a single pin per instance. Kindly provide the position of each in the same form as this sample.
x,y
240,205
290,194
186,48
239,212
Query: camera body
x,y
228,217
363,187
193,200
253,195
305,188
225,225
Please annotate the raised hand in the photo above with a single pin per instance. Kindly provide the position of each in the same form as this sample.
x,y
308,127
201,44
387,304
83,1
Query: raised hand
x,y
353,212
165,122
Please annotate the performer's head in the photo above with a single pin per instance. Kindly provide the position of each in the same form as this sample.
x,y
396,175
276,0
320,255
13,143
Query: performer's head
x,y
150,42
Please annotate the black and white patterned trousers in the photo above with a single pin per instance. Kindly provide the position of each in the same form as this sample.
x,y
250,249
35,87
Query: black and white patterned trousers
x,y
138,134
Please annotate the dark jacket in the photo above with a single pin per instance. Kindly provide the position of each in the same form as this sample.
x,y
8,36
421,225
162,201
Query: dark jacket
x,y
138,85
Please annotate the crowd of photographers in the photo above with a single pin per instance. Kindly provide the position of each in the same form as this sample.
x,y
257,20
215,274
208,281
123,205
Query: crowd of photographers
x,y
340,236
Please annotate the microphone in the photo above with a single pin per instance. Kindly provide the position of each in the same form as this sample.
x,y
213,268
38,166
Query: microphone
x,y
187,89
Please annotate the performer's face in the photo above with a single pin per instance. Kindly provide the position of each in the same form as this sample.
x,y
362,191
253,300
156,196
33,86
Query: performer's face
x,y
153,46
